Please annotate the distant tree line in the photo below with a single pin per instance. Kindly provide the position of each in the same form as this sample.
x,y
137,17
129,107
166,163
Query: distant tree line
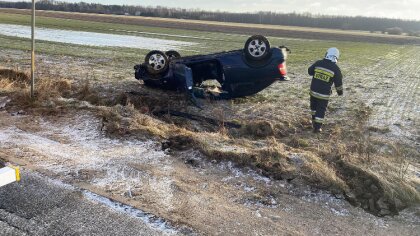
x,y
392,26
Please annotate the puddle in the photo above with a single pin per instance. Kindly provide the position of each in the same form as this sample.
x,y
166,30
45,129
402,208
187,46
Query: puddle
x,y
93,39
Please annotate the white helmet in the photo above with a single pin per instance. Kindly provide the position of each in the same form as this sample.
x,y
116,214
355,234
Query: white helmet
x,y
333,54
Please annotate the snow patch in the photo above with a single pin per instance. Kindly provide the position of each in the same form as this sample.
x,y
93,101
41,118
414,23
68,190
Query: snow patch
x,y
93,39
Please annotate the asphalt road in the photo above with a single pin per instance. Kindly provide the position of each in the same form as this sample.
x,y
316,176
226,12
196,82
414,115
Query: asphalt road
x,y
40,206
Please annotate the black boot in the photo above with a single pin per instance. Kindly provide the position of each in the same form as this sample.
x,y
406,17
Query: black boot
x,y
317,127
317,130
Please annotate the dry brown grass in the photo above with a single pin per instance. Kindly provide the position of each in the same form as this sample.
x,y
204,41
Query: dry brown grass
x,y
348,162
378,180
342,162
86,93
127,120
16,85
258,129
273,158
13,75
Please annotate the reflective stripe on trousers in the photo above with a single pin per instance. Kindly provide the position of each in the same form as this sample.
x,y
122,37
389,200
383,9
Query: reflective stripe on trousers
x,y
319,120
319,95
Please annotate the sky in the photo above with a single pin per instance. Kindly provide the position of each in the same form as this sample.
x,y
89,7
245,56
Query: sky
x,y
403,9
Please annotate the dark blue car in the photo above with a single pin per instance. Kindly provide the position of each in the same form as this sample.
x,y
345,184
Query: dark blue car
x,y
240,72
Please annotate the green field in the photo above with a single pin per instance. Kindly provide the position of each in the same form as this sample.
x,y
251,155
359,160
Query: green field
x,y
304,51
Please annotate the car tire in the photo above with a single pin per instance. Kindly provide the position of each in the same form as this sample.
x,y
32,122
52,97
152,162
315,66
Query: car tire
x,y
157,62
172,54
257,48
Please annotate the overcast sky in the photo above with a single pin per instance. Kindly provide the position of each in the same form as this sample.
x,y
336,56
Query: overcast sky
x,y
405,9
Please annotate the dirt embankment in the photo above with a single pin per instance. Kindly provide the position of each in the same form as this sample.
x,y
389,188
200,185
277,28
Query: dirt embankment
x,y
203,175
338,161
268,30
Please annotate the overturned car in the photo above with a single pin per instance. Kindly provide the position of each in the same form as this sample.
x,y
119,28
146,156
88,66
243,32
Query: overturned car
x,y
240,73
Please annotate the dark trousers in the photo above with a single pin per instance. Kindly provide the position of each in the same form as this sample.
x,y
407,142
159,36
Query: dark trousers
x,y
318,109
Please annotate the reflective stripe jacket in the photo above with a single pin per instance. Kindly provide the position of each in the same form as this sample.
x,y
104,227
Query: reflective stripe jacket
x,y
325,73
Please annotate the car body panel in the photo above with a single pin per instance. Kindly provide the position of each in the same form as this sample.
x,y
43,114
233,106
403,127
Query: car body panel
x,y
237,75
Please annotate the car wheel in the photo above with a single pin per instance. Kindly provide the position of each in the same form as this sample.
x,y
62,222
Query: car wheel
x,y
157,62
172,54
257,48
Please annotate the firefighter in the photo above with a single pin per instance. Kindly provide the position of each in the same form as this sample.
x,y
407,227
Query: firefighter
x,y
324,74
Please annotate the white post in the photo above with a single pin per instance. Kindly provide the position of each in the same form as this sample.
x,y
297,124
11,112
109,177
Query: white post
x,y
33,51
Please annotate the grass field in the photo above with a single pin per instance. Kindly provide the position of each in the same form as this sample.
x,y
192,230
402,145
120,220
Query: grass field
x,y
225,27
372,133
304,51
